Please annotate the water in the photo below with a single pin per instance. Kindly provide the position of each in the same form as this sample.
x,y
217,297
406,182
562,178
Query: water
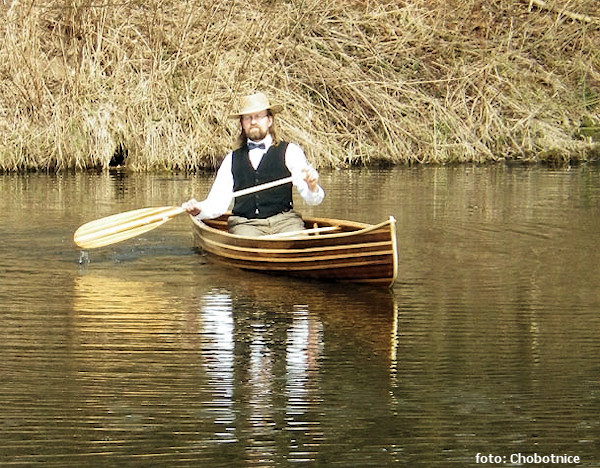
x,y
145,353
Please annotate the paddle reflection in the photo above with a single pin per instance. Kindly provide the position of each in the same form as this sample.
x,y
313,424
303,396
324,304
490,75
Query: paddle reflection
x,y
104,302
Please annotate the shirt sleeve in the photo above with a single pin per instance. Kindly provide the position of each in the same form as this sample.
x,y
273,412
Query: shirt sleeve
x,y
220,196
295,160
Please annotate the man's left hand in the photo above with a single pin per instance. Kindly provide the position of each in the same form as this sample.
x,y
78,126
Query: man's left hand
x,y
311,177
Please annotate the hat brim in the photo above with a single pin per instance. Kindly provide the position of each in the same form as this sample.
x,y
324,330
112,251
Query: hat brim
x,y
275,109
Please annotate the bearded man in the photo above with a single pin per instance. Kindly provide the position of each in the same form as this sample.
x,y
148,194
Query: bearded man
x,y
260,158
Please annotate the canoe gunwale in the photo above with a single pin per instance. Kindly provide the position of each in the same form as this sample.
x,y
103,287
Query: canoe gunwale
x,y
360,228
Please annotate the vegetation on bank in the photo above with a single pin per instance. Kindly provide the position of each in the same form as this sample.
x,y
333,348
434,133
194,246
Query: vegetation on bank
x,y
149,84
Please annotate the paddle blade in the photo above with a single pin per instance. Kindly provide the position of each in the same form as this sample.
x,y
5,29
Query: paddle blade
x,y
122,226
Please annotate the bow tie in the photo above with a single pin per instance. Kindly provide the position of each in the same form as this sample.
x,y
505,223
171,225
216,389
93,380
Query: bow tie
x,y
252,145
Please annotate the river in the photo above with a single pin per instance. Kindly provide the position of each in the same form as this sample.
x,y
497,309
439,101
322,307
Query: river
x,y
146,353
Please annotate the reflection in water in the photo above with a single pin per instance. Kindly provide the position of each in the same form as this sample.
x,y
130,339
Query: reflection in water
x,y
262,353
255,358
218,352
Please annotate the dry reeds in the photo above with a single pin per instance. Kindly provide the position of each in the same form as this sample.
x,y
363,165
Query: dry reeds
x,y
150,84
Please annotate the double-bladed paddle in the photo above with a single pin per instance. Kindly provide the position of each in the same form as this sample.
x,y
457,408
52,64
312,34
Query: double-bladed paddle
x,y
122,226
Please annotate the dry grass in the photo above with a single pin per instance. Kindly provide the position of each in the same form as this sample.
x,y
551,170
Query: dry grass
x,y
364,82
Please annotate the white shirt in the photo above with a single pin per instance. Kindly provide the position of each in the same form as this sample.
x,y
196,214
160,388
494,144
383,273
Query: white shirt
x,y
221,194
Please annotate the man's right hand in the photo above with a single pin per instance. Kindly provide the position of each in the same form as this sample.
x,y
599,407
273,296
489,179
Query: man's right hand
x,y
192,207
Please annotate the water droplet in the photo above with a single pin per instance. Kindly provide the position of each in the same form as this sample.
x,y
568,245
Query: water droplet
x,y
84,258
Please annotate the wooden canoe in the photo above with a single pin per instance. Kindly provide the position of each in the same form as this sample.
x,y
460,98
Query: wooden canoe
x,y
329,249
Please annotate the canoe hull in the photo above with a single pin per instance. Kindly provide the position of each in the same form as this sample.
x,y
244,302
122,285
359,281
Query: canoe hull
x,y
355,252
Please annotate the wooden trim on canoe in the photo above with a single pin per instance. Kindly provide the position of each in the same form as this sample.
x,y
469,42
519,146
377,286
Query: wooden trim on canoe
x,y
392,222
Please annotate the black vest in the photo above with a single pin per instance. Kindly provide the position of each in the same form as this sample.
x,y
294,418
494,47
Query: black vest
x,y
264,203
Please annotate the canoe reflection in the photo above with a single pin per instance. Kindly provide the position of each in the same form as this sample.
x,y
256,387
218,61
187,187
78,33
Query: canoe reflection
x,y
255,363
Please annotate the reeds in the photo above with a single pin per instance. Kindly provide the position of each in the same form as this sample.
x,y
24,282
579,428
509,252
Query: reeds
x,y
149,84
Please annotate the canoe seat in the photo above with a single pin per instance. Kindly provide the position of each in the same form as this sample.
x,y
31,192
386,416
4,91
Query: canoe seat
x,y
303,233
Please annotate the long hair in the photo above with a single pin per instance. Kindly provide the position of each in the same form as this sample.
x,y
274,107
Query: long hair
x,y
243,138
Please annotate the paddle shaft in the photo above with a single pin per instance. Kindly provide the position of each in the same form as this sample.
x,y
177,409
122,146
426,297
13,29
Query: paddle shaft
x,y
258,188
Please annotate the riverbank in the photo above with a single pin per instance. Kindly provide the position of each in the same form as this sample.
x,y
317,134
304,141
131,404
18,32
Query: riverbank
x,y
149,85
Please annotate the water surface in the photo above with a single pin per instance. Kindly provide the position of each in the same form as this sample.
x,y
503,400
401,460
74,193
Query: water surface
x,y
152,355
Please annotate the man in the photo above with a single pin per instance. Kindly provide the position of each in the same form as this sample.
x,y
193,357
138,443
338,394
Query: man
x,y
261,158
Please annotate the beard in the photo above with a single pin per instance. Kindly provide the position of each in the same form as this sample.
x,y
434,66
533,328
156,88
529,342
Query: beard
x,y
257,133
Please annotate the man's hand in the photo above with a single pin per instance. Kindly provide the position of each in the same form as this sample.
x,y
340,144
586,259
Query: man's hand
x,y
191,207
311,177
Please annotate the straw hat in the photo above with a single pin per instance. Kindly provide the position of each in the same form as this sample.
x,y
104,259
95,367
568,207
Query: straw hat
x,y
255,103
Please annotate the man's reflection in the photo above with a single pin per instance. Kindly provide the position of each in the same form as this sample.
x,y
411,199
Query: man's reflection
x,y
262,363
